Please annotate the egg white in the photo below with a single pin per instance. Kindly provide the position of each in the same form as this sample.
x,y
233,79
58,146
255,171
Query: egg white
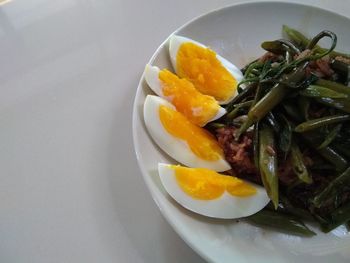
x,y
153,81
226,206
176,148
176,41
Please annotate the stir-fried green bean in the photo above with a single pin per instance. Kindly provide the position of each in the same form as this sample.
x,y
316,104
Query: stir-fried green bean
x,y
330,137
291,127
302,41
333,189
271,99
268,163
338,217
317,123
298,165
282,222
314,91
232,114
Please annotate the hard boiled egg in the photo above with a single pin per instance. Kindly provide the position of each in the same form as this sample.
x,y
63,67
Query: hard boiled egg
x,y
210,73
197,107
185,142
208,193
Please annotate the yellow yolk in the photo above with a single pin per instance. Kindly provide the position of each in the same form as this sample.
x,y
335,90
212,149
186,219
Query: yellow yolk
x,y
205,71
206,184
198,108
202,143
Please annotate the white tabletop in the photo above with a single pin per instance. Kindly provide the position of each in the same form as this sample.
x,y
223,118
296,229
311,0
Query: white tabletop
x,y
70,187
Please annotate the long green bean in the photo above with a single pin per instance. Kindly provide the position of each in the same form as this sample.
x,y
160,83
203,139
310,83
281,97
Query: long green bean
x,y
303,41
298,165
268,163
317,123
333,189
338,217
282,222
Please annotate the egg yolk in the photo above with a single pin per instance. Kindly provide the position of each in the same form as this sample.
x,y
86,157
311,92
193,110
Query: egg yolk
x,y
198,108
205,184
202,143
205,71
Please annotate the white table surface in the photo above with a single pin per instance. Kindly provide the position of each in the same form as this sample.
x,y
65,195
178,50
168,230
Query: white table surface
x,y
70,187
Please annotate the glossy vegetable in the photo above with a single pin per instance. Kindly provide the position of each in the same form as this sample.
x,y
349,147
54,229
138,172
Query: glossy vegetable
x,y
282,222
268,163
317,123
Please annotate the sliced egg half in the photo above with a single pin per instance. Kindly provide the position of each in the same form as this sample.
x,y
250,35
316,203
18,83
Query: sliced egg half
x,y
208,193
197,107
185,142
210,73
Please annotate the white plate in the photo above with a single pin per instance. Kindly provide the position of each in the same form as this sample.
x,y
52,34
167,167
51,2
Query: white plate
x,y
236,33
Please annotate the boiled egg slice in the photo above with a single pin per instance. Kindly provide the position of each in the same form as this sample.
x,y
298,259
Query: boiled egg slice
x,y
185,142
197,107
211,194
210,73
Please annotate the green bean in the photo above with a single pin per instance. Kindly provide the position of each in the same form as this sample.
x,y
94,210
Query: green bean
x,y
292,111
304,106
252,66
331,136
338,217
270,118
271,99
333,157
321,52
282,222
303,41
319,122
249,90
287,207
296,36
340,104
333,189
280,46
343,149
268,163
285,135
334,86
237,108
216,125
298,165
329,153
256,145
315,91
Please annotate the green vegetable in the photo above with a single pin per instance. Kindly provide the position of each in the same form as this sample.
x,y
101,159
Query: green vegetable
x,y
298,165
285,135
315,91
282,222
268,163
237,108
302,41
280,46
338,217
333,86
317,123
304,106
271,99
330,137
333,189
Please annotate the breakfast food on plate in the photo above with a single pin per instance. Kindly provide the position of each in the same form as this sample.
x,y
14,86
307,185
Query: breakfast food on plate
x,y
285,134
211,194
187,143
210,73
197,107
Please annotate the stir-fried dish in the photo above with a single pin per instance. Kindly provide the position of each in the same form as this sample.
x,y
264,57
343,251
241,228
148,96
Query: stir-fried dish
x,y
289,130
